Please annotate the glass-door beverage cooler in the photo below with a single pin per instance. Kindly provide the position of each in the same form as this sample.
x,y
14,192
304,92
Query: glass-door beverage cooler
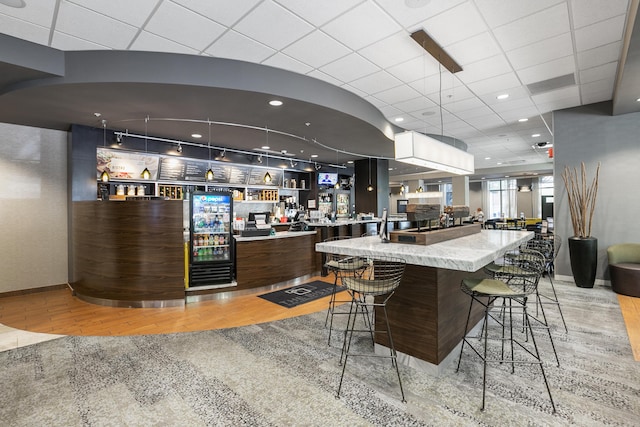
x,y
211,240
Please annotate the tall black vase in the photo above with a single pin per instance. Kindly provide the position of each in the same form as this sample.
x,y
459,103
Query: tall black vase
x,y
583,252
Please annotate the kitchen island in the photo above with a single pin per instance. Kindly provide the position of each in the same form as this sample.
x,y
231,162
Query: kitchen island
x,y
428,311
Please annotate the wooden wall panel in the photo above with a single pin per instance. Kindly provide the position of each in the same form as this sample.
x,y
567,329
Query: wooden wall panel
x,y
128,251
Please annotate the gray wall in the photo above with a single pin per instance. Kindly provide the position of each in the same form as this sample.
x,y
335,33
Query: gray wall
x,y
590,134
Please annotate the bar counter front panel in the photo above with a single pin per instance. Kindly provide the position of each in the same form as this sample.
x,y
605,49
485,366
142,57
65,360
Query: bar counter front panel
x,y
262,261
128,252
427,313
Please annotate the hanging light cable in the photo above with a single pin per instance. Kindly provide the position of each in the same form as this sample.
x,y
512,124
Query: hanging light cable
x,y
104,177
146,174
209,175
370,187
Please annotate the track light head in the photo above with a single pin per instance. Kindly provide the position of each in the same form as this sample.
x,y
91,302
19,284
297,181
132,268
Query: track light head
x,y
179,149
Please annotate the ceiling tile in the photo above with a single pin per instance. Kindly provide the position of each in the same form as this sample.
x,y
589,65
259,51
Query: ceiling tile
x,y
392,50
485,122
66,42
284,27
82,23
153,43
317,12
456,24
409,16
556,95
587,12
498,12
349,68
234,45
223,11
520,103
484,69
416,104
415,69
599,34
41,14
463,105
324,77
131,12
600,72
599,55
530,29
543,51
285,62
183,26
24,30
362,26
598,91
397,94
476,112
316,49
495,85
376,82
556,68
473,49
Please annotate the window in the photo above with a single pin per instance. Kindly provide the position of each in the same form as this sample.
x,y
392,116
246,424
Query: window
x,y
503,198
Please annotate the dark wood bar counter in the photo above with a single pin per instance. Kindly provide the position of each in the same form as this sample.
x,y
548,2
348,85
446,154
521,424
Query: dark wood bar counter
x,y
128,253
269,260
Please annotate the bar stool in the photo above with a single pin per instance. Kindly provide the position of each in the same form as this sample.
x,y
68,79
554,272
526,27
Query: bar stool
x,y
520,264
515,289
340,265
549,248
371,293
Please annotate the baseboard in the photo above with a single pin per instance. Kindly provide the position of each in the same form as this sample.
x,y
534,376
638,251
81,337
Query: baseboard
x,y
599,282
33,290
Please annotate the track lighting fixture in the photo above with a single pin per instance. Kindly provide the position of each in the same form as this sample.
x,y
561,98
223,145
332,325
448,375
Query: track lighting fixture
x,y
223,154
317,166
260,159
119,139
179,149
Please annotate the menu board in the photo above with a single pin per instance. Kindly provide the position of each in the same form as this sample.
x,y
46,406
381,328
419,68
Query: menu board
x,y
129,165
125,164
257,176
238,175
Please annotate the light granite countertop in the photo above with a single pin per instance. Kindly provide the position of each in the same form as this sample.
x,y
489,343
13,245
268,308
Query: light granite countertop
x,y
278,235
469,253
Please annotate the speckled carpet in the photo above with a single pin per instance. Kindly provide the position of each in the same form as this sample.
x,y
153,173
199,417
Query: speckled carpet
x,y
283,374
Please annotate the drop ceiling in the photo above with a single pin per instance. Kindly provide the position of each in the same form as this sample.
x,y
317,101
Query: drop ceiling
x,y
545,54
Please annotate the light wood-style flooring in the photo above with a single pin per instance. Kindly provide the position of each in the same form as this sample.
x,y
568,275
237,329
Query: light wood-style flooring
x,y
59,312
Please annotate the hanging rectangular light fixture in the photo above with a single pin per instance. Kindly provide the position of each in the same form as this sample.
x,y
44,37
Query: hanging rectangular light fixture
x,y
421,150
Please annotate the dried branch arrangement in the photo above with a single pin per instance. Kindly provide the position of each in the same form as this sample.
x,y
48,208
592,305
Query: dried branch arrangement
x,y
582,199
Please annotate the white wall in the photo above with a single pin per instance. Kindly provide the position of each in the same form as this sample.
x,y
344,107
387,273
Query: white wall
x,y
33,207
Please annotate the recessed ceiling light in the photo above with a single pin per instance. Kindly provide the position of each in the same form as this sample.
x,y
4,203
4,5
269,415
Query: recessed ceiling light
x,y
523,120
535,135
350,162
503,96
506,176
13,3
638,100
399,119
487,158
275,103
314,156
196,135
499,163
265,147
